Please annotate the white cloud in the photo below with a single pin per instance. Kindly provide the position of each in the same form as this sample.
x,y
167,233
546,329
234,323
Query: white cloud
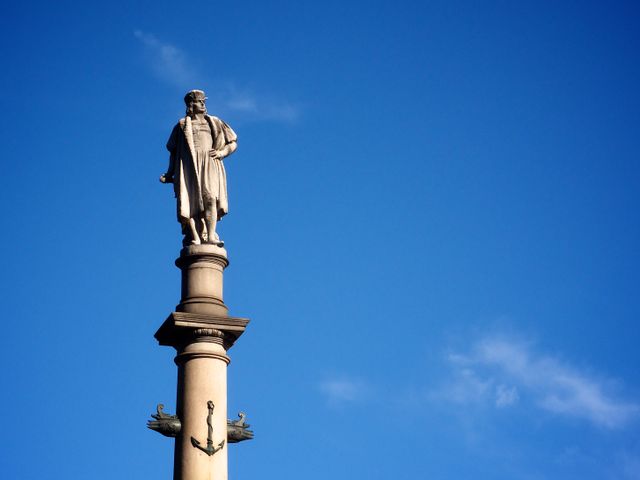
x,y
497,362
342,390
167,61
506,396
467,387
253,106
172,65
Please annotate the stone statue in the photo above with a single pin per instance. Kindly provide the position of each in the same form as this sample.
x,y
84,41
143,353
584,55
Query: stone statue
x,y
197,145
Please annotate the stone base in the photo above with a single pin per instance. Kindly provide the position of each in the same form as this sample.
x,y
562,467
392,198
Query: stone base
x,y
202,269
203,249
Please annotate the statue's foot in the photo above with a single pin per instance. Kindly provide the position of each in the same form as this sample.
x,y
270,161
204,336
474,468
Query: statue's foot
x,y
217,242
195,241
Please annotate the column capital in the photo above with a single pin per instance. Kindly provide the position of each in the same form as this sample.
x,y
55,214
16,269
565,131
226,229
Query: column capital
x,y
211,335
183,327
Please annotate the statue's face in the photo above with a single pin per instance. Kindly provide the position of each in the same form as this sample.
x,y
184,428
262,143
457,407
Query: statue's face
x,y
197,105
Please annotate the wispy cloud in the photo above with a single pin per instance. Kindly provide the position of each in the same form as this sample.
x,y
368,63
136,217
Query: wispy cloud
x,y
502,370
506,396
172,65
265,108
168,62
343,390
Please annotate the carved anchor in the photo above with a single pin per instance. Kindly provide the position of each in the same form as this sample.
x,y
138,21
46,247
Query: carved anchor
x,y
210,450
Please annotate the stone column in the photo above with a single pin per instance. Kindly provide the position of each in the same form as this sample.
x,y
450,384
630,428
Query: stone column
x,y
202,378
201,331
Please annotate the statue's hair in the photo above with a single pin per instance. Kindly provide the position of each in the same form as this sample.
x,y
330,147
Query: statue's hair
x,y
191,96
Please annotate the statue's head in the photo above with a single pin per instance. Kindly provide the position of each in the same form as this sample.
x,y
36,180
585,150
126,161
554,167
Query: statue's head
x,y
195,102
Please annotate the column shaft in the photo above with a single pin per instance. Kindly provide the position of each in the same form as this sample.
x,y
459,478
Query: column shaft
x,y
202,378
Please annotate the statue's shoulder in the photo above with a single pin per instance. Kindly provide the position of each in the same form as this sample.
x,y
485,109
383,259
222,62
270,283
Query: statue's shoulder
x,y
214,119
229,134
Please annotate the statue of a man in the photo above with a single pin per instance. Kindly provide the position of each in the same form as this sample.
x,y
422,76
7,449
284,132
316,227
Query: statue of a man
x,y
197,145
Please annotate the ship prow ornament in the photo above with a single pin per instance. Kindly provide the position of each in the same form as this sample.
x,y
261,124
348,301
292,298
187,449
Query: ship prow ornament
x,y
170,426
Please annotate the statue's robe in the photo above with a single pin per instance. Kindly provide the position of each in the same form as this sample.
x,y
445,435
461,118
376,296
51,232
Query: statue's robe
x,y
196,176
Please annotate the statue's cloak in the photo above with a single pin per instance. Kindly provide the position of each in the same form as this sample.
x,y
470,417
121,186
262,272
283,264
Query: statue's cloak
x,y
188,182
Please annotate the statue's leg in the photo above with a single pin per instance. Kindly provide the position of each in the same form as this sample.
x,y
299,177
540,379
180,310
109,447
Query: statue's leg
x,y
202,230
195,238
211,219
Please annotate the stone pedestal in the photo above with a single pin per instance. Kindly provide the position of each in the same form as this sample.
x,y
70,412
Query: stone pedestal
x,y
202,267
201,331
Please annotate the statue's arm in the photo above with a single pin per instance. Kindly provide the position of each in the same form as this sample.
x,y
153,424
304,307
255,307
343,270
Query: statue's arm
x,y
228,149
230,138
171,146
168,176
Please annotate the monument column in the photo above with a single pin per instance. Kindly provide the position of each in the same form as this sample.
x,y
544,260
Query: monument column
x,y
201,449
200,329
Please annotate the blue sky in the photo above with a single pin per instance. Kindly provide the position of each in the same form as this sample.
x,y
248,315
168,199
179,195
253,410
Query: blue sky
x,y
433,226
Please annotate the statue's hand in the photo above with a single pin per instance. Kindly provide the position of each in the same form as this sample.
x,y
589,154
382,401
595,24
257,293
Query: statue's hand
x,y
166,178
215,154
